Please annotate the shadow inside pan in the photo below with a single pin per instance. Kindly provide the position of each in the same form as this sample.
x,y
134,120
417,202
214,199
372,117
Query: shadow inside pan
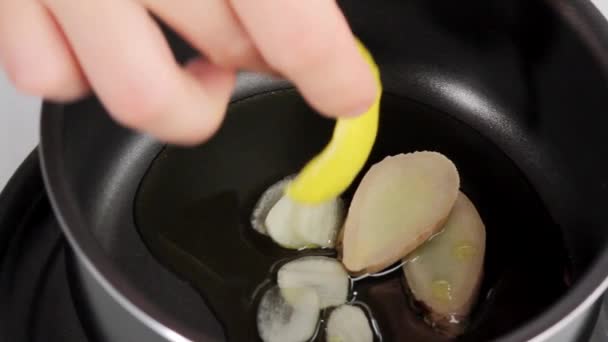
x,y
193,208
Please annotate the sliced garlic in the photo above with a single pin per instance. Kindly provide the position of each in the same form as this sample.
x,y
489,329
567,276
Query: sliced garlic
x,y
280,225
348,323
400,203
296,225
268,199
444,274
280,320
325,275
319,224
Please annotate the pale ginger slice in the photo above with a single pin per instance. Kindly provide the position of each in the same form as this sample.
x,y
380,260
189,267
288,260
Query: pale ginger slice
x,y
348,323
401,202
293,320
445,273
326,276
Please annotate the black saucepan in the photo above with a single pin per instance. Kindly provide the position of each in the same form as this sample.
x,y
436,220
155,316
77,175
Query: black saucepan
x,y
515,92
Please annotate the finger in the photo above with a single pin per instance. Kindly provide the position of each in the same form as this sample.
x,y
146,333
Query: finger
x,y
35,54
310,43
131,68
211,27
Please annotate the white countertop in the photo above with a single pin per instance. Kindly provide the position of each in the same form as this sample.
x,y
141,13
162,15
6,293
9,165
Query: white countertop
x,y
20,115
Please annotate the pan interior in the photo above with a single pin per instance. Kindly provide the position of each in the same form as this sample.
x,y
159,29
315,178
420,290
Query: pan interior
x,y
194,205
507,89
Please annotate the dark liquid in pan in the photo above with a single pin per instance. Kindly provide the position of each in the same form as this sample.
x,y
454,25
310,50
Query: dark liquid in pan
x,y
194,205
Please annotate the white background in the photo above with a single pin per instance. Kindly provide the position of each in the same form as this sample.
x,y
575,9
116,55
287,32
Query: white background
x,y
19,117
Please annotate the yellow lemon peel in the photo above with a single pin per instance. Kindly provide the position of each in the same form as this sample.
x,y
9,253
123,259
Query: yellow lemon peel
x,y
332,171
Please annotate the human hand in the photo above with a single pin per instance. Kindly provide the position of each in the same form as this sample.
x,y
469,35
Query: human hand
x,y
63,49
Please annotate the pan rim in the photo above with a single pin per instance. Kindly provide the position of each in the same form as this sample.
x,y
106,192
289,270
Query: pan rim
x,y
585,20
91,256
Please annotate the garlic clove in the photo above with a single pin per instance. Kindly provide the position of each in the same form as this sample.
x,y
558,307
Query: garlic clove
x,y
326,276
444,274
